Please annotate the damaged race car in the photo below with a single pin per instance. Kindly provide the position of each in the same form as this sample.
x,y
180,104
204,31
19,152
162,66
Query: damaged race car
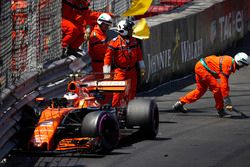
x,y
80,120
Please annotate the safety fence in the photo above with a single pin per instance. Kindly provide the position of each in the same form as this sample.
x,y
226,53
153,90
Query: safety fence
x,y
30,35
115,6
5,41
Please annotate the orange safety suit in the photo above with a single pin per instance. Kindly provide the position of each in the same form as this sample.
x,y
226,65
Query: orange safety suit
x,y
97,48
123,55
69,32
80,16
207,70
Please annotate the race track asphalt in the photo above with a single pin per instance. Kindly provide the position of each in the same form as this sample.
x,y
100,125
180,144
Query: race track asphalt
x,y
198,138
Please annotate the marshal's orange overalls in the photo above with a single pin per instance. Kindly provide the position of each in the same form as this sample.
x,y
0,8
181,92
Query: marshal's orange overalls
x,y
97,48
123,55
76,16
207,70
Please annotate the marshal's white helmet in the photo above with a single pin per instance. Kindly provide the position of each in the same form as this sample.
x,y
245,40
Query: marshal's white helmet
x,y
241,59
105,18
124,26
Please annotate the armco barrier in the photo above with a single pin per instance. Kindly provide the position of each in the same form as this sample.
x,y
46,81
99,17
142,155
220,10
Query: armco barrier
x,y
49,83
177,41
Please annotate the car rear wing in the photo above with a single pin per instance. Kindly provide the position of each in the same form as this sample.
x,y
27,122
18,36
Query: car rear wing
x,y
108,85
103,85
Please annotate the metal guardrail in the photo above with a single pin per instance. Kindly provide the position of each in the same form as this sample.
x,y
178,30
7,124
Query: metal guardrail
x,y
50,83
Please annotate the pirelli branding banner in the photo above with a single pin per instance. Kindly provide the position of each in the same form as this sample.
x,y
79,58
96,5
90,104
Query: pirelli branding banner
x,y
179,39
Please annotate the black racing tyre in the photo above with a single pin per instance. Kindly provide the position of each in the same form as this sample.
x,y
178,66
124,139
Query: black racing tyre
x,y
143,113
103,125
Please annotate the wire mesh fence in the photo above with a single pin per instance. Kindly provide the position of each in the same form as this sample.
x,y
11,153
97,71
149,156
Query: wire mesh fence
x,y
45,32
30,34
5,42
19,13
115,6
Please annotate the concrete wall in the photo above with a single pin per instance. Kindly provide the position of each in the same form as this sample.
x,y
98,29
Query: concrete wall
x,y
179,39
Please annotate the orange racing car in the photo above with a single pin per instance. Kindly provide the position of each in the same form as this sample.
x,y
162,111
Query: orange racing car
x,y
80,121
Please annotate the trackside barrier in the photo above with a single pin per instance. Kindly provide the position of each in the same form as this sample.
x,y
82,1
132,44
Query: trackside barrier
x,y
48,83
179,39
